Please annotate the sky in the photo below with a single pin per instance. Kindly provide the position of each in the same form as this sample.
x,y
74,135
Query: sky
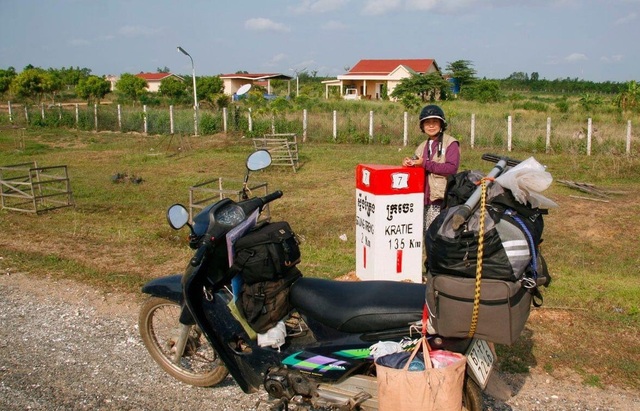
x,y
594,40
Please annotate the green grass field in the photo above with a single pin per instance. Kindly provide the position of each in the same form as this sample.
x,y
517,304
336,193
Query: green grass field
x,y
116,237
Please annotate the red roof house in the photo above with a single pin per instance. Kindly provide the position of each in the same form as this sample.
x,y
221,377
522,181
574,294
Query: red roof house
x,y
154,79
368,77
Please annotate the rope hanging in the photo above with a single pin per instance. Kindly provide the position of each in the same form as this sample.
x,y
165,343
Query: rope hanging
x,y
476,297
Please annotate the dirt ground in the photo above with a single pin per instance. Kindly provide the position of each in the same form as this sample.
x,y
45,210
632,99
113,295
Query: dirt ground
x,y
68,346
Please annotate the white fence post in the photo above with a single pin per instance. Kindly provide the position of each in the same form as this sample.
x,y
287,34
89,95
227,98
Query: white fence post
x,y
171,119
473,130
10,112
224,119
628,137
589,133
335,125
95,116
144,118
26,113
509,133
42,110
77,115
119,118
250,120
59,111
304,125
371,126
547,146
405,131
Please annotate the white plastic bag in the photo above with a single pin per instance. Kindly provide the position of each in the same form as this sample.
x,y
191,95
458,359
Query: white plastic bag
x,y
382,348
274,337
526,181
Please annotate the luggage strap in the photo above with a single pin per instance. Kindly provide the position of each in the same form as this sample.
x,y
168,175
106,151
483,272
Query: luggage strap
x,y
529,283
476,297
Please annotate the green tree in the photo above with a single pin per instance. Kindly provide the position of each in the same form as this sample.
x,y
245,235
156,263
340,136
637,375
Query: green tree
x,y
131,86
164,69
518,76
630,98
33,83
589,101
463,71
484,91
6,77
93,88
427,87
174,89
71,76
209,88
535,76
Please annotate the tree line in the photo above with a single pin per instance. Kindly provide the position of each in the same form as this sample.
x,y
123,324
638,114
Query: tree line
x,y
36,85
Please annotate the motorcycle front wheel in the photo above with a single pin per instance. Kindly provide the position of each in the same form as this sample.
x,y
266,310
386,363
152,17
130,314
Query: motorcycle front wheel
x,y
160,328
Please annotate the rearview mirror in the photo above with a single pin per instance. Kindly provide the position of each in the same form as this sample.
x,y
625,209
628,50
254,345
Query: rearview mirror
x,y
177,216
258,160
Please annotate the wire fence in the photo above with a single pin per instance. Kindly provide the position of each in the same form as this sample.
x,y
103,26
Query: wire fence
x,y
533,131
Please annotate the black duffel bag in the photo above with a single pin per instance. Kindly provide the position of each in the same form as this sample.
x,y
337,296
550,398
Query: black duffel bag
x,y
266,253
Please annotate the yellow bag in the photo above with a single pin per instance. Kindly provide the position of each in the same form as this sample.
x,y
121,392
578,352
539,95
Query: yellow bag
x,y
433,389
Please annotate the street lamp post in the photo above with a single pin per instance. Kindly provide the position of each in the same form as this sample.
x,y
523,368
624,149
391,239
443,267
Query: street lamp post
x,y
195,94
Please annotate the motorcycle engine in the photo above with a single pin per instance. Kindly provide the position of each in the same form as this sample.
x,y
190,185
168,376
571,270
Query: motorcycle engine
x,y
282,382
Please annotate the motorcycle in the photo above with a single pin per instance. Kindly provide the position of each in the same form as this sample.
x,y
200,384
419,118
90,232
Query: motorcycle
x,y
191,328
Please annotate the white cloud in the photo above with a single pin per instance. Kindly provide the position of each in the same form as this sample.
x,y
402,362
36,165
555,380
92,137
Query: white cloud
x,y
334,25
573,57
262,24
137,31
626,19
79,42
616,58
318,6
275,60
422,4
447,6
375,7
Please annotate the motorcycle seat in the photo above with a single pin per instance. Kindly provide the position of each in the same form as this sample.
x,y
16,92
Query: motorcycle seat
x,y
359,306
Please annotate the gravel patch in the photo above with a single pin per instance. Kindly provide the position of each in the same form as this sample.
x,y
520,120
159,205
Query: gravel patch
x,y
66,346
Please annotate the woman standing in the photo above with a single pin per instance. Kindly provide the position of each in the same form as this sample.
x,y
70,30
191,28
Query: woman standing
x,y
439,155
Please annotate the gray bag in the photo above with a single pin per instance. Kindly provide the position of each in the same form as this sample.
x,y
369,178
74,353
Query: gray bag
x,y
504,307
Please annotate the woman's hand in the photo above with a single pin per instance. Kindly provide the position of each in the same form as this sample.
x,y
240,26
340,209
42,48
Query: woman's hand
x,y
410,162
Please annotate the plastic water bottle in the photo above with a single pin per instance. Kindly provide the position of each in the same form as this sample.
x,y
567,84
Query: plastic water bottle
x,y
416,365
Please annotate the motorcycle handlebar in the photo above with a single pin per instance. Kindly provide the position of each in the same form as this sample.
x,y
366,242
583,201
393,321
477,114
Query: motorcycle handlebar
x,y
273,196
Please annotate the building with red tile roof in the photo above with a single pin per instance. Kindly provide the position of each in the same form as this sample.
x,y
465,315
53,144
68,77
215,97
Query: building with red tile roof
x,y
154,79
369,78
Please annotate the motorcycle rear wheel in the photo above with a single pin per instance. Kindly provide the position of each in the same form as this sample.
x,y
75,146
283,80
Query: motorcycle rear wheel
x,y
159,327
471,396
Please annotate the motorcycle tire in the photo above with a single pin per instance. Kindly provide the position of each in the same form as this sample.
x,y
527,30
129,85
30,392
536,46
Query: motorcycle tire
x,y
159,327
471,396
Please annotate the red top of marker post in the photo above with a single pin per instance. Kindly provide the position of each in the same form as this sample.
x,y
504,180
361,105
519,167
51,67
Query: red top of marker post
x,y
388,180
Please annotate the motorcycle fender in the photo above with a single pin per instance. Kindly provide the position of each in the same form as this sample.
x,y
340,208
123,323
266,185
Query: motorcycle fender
x,y
165,287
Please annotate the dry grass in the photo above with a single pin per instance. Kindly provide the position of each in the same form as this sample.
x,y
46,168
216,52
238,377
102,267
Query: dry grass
x,y
117,237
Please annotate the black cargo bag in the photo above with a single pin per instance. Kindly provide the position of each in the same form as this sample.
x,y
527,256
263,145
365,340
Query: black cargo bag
x,y
265,303
267,252
503,311
510,242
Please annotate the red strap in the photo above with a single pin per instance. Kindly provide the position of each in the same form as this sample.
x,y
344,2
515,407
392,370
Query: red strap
x,y
425,315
